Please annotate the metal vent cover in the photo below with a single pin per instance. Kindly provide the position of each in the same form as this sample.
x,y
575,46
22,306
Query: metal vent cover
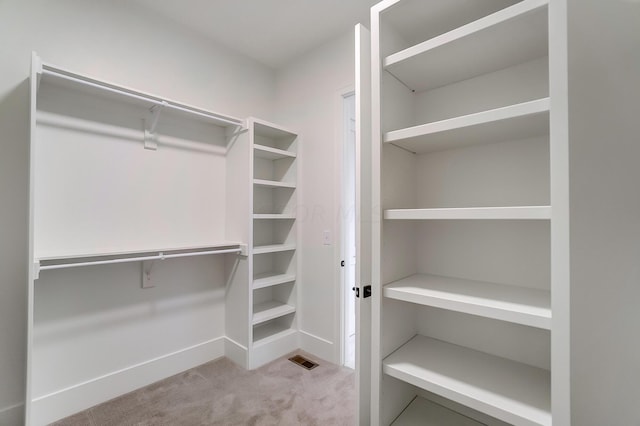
x,y
303,362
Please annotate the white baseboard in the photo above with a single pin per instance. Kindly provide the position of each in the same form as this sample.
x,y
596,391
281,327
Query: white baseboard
x,y
272,348
236,352
318,346
12,416
62,403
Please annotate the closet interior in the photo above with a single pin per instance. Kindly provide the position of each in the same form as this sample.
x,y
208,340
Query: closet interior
x,y
133,191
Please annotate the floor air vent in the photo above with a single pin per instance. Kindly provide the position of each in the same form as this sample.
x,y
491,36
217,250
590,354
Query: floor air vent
x,y
303,362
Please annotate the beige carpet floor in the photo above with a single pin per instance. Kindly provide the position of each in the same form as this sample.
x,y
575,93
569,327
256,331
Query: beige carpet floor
x,y
222,393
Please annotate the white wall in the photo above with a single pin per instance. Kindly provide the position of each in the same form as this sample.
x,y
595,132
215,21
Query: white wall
x,y
309,100
117,42
604,108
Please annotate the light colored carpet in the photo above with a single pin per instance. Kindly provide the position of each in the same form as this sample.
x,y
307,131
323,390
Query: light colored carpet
x,y
222,393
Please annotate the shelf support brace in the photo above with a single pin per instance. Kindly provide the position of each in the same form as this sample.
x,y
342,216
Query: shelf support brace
x,y
36,269
150,136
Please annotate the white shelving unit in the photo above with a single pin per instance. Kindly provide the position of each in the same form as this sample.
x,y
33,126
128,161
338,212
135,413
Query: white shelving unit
x,y
462,275
274,267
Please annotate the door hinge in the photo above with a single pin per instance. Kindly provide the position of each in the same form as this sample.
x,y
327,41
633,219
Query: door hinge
x,y
342,264
366,291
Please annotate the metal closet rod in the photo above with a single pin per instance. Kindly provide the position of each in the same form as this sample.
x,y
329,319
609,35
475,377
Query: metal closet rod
x,y
159,256
154,101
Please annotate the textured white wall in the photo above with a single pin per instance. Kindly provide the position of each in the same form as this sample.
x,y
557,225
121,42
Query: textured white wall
x,y
309,100
604,106
110,40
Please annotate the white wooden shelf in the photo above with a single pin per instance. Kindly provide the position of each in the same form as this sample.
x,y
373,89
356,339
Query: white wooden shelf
x,y
73,260
510,391
50,74
519,305
274,216
273,248
270,279
273,183
511,36
268,311
473,213
514,122
273,131
422,412
270,153
269,332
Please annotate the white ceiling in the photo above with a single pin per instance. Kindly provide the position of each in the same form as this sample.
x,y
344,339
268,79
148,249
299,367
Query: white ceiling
x,y
270,31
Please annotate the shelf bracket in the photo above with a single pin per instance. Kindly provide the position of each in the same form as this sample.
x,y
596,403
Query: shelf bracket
x,y
147,266
150,136
36,269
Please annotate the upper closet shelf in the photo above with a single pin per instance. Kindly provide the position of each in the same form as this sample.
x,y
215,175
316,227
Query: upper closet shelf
x,y
505,38
273,183
510,391
473,213
74,260
49,74
514,122
270,153
519,305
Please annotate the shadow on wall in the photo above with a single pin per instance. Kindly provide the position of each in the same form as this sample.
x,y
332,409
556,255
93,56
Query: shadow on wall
x,y
14,213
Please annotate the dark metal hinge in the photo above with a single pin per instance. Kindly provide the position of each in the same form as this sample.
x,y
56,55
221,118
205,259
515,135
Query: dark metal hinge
x,y
366,291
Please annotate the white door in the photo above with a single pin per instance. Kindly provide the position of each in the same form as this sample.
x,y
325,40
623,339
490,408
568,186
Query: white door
x,y
363,222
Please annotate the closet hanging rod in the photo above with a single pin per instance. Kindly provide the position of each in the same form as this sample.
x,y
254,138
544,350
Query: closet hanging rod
x,y
159,256
46,70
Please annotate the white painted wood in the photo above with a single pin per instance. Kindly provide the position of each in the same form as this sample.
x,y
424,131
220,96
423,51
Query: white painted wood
x,y
130,253
270,153
269,279
475,213
363,171
273,183
94,87
67,401
274,216
272,341
267,311
561,227
274,165
520,121
236,352
422,412
511,36
507,303
510,391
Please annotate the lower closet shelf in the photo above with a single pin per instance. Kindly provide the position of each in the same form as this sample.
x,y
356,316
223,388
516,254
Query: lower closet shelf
x,y
274,248
267,311
510,391
422,412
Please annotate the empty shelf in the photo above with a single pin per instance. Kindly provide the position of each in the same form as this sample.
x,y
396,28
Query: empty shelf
x,y
422,412
497,213
270,310
519,305
270,279
511,36
274,248
270,332
514,122
270,153
273,183
274,216
510,391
